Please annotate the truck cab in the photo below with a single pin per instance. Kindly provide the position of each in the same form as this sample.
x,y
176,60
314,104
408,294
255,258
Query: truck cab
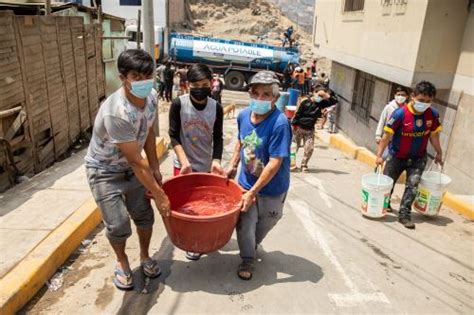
x,y
131,32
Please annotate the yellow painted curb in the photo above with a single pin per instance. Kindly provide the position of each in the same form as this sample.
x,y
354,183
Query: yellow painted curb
x,y
462,207
344,145
21,283
365,156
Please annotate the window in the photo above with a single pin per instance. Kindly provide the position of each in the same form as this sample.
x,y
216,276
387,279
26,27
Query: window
x,y
130,2
363,95
353,5
134,38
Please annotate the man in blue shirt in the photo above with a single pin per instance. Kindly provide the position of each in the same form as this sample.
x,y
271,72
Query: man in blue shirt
x,y
263,150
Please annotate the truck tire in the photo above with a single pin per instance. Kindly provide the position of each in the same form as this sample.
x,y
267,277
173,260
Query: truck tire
x,y
249,78
234,80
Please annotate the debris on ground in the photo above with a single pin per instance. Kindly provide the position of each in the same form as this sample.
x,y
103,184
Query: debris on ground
x,y
86,243
57,280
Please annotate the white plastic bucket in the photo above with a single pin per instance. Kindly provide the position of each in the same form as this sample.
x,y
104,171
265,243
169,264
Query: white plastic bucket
x,y
430,193
376,189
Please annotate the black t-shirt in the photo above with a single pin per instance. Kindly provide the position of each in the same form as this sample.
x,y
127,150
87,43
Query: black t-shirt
x,y
168,74
309,111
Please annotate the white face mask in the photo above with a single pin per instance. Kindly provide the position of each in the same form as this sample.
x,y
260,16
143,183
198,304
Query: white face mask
x,y
420,107
400,99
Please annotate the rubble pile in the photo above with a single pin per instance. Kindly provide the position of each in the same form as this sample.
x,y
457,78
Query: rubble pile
x,y
247,20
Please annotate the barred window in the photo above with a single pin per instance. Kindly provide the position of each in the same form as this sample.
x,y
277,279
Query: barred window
x,y
353,5
363,95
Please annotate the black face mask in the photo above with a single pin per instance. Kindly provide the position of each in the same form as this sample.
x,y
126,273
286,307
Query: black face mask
x,y
200,94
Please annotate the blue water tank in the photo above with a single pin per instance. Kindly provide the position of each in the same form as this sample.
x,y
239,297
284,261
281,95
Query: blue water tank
x,y
294,94
216,51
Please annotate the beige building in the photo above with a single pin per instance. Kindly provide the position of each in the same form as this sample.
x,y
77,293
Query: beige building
x,y
376,45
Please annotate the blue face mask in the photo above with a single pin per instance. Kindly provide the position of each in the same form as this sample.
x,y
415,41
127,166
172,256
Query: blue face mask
x,y
141,89
318,99
420,107
260,107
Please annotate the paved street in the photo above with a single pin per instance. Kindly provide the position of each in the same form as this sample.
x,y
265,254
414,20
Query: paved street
x,y
322,257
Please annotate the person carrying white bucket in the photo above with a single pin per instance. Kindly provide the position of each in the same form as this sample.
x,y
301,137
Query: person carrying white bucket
x,y
409,129
376,194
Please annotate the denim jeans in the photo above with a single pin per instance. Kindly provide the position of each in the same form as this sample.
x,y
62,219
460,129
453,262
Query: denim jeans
x,y
414,168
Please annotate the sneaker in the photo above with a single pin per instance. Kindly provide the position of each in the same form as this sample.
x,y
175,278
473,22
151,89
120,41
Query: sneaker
x,y
193,256
407,223
389,209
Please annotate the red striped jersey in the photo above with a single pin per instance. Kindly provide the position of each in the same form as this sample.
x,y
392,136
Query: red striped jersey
x,y
411,131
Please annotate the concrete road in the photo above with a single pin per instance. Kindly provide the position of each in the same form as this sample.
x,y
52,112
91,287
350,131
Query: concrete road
x,y
235,97
323,257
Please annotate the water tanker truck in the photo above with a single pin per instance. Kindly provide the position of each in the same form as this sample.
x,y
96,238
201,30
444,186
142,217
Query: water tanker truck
x,y
237,61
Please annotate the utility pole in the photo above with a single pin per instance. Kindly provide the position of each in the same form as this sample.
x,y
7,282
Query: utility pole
x,y
149,43
167,28
48,7
148,27
139,29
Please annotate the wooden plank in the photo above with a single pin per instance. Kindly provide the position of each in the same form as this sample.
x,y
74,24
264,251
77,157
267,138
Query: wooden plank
x,y
12,59
81,74
6,44
100,69
8,52
14,86
17,142
13,93
6,33
92,76
10,112
13,100
16,125
69,73
36,82
31,163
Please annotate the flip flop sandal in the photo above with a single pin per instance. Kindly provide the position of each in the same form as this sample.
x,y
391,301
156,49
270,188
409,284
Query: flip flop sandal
x,y
150,268
193,256
247,268
122,285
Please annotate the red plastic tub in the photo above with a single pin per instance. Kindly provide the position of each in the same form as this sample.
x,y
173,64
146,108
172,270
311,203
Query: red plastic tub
x,y
205,231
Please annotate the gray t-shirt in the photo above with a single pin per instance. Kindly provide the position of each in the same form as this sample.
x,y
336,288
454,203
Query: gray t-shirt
x,y
119,121
197,133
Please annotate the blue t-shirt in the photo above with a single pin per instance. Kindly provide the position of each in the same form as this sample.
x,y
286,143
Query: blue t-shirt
x,y
260,142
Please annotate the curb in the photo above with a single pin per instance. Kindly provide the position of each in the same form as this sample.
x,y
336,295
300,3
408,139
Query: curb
x,y
343,144
459,205
21,284
363,155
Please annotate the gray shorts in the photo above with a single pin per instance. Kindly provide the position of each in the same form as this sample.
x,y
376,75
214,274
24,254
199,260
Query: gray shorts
x,y
120,196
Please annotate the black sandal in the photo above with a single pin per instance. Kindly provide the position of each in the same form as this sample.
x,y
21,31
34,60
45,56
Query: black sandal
x,y
246,267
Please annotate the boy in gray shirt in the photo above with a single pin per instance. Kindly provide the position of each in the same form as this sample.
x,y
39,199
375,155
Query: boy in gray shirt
x,y
118,175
